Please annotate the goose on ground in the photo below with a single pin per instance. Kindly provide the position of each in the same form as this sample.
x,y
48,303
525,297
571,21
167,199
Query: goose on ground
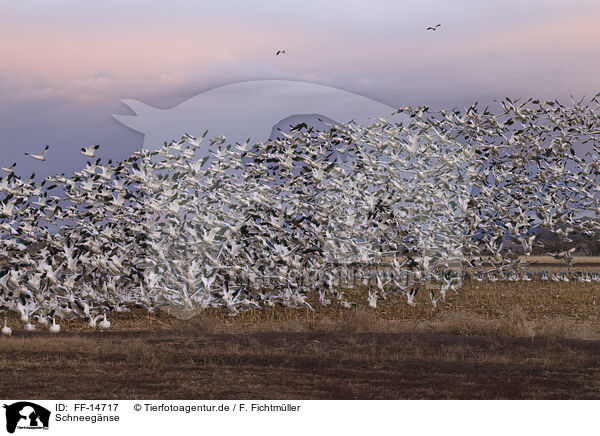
x,y
104,324
6,330
54,328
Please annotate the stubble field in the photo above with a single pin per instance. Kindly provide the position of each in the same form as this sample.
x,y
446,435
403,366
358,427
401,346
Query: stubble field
x,y
513,340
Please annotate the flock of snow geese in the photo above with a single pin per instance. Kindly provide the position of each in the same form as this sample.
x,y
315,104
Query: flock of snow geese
x,y
201,223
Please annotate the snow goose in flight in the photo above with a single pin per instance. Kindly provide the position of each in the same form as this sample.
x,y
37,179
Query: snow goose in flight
x,y
9,169
89,152
40,156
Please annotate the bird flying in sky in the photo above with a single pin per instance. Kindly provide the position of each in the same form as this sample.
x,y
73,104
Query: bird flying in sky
x,y
434,28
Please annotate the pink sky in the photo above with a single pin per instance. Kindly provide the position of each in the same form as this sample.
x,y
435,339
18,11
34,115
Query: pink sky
x,y
41,60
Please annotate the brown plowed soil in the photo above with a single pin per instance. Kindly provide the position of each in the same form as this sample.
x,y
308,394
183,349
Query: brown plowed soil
x,y
191,364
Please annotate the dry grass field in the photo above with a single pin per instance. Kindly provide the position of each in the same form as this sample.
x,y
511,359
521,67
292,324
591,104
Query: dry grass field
x,y
577,260
492,340
580,263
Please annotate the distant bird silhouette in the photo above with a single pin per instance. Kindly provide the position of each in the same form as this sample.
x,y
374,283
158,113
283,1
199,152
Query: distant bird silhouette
x,y
434,28
299,127
280,52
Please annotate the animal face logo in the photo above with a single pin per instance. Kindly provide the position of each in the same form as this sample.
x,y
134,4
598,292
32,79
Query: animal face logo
x,y
26,415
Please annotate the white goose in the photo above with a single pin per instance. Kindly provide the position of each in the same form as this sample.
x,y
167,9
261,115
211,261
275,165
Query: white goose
x,y
89,152
54,328
6,330
93,321
39,156
105,323
42,320
372,299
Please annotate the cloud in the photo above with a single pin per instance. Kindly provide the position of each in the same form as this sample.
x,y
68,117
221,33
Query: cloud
x,y
131,59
